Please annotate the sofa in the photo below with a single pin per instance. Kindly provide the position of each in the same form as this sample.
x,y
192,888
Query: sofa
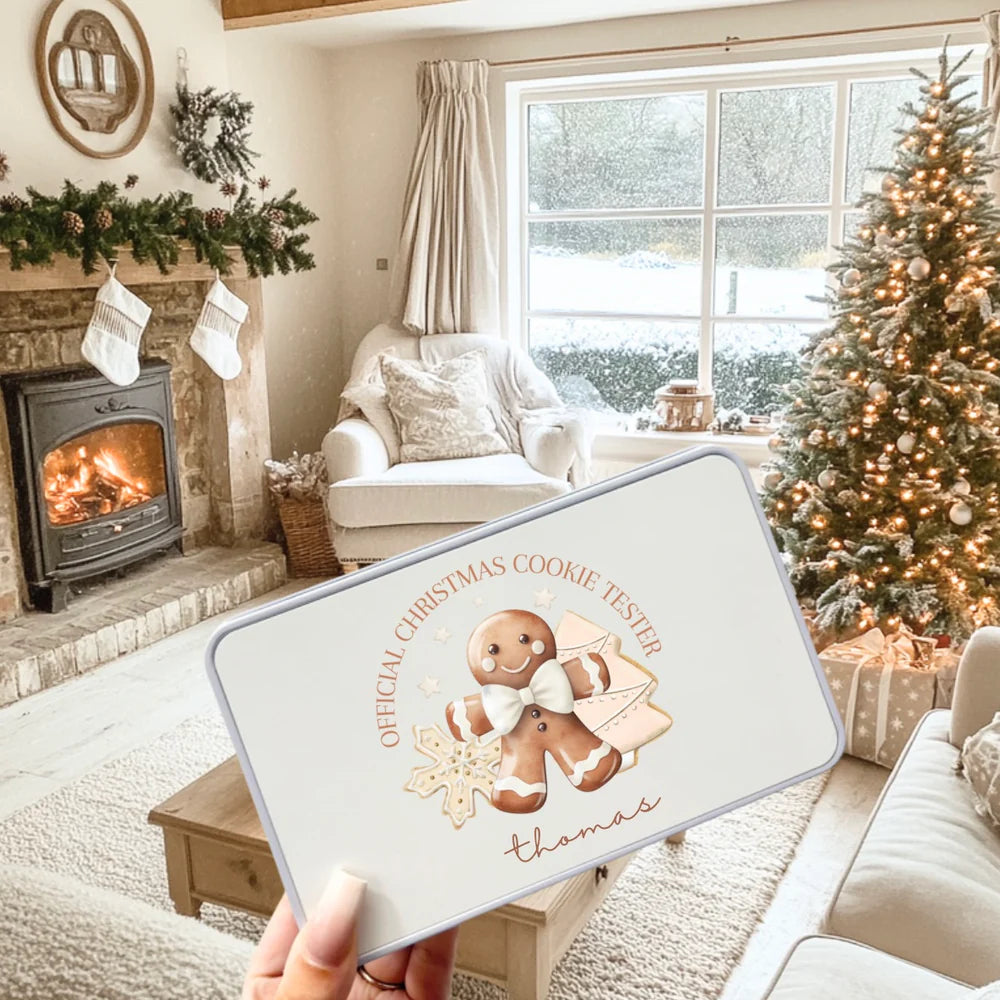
x,y
378,509
919,903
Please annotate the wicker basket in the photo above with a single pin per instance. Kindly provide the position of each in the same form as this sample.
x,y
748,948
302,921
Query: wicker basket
x,y
310,551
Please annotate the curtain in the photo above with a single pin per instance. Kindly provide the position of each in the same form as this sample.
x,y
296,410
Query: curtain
x,y
991,89
446,278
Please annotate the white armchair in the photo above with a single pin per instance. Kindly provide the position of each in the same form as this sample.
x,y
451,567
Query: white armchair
x,y
378,508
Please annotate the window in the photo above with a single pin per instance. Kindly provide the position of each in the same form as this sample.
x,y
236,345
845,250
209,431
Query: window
x,y
682,229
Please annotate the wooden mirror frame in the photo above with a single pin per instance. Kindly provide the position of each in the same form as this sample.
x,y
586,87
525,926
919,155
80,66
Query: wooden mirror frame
x,y
45,85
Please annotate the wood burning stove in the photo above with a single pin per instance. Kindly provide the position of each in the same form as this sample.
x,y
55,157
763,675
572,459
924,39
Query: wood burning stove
x,y
95,473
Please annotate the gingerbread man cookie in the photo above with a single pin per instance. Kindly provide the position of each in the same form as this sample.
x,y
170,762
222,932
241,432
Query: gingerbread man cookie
x,y
527,700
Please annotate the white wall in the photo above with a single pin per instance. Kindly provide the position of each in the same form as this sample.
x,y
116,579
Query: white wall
x,y
289,86
373,114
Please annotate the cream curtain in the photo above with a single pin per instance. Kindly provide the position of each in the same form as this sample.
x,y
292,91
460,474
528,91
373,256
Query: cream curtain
x,y
446,278
991,88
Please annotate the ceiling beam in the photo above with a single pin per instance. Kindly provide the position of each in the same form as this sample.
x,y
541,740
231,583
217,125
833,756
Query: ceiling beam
x,y
256,13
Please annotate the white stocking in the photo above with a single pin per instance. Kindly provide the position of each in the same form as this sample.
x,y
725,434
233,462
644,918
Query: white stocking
x,y
214,337
111,343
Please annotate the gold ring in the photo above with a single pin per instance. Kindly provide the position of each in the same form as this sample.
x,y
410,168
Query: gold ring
x,y
380,984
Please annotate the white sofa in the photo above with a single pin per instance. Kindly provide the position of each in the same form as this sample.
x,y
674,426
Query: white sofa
x,y
378,509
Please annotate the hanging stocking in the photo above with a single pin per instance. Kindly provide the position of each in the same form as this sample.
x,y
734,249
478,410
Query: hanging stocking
x,y
111,343
214,338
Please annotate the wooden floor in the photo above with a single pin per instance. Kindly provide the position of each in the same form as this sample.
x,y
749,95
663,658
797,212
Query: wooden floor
x,y
55,737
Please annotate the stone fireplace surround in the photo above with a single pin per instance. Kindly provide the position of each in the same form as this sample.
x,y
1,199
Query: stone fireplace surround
x,y
222,428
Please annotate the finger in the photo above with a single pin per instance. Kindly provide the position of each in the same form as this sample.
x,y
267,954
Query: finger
x,y
428,976
276,942
390,968
323,959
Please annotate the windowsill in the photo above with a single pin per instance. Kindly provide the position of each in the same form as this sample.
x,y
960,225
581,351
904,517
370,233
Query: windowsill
x,y
645,446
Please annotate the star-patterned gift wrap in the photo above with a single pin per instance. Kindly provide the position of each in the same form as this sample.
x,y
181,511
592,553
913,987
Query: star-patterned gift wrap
x,y
882,686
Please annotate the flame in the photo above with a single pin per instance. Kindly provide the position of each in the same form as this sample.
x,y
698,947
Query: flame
x,y
80,486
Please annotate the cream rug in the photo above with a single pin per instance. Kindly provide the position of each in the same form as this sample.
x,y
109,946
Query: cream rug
x,y
674,925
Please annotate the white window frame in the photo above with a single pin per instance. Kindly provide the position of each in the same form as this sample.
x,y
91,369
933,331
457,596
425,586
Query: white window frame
x,y
839,74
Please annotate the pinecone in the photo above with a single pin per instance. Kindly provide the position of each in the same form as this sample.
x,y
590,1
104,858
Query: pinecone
x,y
103,219
276,238
72,224
215,218
131,181
276,216
11,203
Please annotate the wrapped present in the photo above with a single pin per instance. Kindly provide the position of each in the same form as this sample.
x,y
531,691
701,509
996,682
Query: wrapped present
x,y
882,686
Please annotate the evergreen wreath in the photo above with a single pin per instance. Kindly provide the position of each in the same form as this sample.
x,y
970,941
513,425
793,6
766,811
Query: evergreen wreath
x,y
100,223
227,155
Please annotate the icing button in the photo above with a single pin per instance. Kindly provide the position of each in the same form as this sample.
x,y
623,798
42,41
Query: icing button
x,y
535,713
542,727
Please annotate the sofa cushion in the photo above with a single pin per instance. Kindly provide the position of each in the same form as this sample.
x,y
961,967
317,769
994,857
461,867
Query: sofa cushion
x,y
925,882
826,968
450,491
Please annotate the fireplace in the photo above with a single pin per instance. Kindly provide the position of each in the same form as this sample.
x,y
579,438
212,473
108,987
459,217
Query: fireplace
x,y
95,473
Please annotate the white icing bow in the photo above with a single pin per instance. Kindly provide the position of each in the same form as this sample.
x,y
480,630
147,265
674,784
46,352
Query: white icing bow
x,y
548,688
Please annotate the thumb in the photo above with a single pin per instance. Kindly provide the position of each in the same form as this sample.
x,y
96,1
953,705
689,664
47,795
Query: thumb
x,y
323,961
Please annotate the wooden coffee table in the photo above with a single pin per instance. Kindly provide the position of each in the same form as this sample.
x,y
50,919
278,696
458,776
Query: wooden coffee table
x,y
216,852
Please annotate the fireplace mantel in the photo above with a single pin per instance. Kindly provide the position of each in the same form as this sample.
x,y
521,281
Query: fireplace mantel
x,y
66,272
223,427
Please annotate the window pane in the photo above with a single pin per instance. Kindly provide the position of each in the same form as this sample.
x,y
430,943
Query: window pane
x,y
613,364
769,265
635,153
776,146
644,266
753,361
871,136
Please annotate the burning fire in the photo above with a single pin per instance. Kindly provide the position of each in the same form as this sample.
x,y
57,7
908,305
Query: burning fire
x,y
88,485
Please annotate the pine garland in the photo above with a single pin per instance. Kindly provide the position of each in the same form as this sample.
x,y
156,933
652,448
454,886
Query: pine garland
x,y
270,234
229,154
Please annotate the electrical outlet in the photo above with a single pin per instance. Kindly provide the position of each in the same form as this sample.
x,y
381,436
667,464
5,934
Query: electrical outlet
x,y
382,264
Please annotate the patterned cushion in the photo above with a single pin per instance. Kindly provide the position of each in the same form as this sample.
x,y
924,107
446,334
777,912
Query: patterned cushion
x,y
366,394
441,411
981,765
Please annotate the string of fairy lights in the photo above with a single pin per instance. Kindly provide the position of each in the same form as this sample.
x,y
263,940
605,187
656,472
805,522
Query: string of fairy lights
x,y
928,243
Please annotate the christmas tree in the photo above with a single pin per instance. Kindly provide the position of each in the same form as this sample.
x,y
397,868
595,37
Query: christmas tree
x,y
883,493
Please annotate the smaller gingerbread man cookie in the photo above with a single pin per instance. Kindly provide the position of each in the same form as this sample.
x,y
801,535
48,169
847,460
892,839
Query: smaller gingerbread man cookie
x,y
527,699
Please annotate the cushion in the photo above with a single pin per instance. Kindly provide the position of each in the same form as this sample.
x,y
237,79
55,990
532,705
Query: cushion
x,y
441,410
365,393
925,882
981,765
451,491
63,940
826,968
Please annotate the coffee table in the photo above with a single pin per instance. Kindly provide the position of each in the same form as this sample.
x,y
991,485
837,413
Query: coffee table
x,y
216,852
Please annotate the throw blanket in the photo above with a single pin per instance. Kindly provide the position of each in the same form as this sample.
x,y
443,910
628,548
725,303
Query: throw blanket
x,y
521,394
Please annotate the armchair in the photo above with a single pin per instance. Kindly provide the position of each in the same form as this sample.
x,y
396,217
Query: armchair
x,y
379,507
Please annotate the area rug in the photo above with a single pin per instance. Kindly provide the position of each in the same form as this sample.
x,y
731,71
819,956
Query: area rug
x,y
675,924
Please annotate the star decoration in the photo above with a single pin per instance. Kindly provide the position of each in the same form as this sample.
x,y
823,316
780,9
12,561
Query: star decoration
x,y
544,598
429,686
442,635
836,684
462,769
862,716
869,686
861,731
897,723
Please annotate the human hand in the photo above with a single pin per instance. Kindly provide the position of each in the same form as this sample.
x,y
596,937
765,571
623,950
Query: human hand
x,y
320,961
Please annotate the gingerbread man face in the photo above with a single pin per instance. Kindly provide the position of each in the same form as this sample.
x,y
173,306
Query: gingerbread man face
x,y
508,647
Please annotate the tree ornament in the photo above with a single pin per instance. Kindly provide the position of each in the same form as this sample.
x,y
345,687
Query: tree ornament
x,y
215,218
816,437
11,203
827,479
4,167
960,514
214,337
883,240
851,278
72,224
212,158
772,479
103,219
884,463
906,442
903,414
919,268
276,238
111,343
263,182
953,307
961,487
876,390
229,189
775,442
